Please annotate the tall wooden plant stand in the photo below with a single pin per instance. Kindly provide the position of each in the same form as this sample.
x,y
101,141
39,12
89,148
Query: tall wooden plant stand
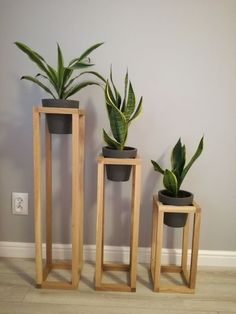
x,y
131,268
42,271
157,236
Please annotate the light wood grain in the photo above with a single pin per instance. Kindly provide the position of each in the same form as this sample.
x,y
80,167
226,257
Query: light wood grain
x,y
215,293
37,196
135,205
78,127
48,151
189,279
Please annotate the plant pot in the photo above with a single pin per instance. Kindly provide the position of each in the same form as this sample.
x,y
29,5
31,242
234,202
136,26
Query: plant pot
x,y
59,123
119,173
176,220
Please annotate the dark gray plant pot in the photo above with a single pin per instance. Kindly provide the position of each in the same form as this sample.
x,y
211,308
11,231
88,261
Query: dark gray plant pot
x,y
59,123
119,173
176,220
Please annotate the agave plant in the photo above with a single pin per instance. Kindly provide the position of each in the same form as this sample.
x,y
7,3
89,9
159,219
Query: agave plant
x,y
173,178
120,112
62,84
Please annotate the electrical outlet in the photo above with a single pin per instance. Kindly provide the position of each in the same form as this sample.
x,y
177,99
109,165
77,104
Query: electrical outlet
x,y
19,203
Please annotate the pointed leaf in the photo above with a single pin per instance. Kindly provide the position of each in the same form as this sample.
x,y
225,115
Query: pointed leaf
x,y
78,87
170,182
110,142
157,167
195,156
117,95
94,73
178,159
34,56
81,65
60,68
89,50
36,81
125,92
118,122
129,107
110,98
138,110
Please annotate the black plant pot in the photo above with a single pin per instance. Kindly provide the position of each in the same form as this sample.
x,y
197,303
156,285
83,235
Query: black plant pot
x,y
119,173
176,220
59,123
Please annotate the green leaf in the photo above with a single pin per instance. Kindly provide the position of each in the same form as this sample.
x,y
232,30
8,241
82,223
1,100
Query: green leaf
x,y
110,142
93,73
78,87
195,156
81,65
109,97
125,92
36,81
87,52
138,110
170,182
117,95
129,107
35,57
178,159
60,69
118,123
157,167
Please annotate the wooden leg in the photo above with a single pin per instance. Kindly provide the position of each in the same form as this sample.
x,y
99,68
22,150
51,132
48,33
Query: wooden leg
x,y
195,247
158,241
135,224
37,197
76,192
48,197
154,236
81,189
99,228
185,245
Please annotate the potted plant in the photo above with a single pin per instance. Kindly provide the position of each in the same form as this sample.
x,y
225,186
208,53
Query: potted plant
x,y
172,180
62,83
121,112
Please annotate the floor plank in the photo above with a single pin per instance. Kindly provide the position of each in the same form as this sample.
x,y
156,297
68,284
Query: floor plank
x,y
215,293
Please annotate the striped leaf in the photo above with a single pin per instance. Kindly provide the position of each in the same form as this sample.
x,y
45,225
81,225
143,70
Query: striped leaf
x,y
110,142
138,110
170,182
129,107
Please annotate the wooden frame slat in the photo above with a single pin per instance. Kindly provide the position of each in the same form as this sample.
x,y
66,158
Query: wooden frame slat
x,y
76,264
189,279
131,268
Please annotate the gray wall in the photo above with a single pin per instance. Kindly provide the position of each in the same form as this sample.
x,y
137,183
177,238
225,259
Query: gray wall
x,y
181,56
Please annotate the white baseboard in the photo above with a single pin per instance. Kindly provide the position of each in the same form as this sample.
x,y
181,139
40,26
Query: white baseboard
x,y
121,254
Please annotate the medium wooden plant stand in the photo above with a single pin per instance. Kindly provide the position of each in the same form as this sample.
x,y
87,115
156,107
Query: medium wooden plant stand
x,y
132,266
42,271
157,236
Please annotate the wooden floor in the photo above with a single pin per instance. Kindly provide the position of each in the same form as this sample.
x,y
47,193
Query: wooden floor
x,y
215,293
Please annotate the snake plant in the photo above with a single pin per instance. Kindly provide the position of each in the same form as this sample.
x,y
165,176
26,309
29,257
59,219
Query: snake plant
x,y
121,112
62,83
173,178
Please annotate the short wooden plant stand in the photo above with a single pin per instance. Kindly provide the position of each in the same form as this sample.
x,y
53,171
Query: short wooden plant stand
x,y
131,268
42,271
157,237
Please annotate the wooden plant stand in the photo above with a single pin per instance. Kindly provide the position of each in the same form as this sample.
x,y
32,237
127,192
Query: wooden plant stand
x,y
157,236
42,271
132,266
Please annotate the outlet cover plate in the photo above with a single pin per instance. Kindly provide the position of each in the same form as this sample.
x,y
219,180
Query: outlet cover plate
x,y
19,203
